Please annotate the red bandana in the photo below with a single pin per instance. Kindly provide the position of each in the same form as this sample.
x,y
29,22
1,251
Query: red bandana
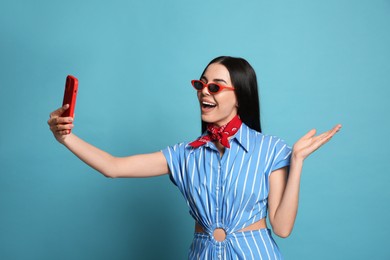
x,y
219,133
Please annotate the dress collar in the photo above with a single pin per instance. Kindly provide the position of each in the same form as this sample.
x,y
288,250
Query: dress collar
x,y
241,137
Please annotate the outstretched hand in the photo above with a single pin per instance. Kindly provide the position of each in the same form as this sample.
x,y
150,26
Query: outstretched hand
x,y
309,143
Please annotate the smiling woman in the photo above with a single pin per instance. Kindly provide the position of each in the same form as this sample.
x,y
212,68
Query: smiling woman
x,y
232,176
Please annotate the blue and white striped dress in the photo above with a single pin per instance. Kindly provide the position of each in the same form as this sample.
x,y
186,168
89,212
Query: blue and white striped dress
x,y
229,192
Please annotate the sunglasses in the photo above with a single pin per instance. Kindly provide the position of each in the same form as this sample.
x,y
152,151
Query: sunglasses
x,y
213,88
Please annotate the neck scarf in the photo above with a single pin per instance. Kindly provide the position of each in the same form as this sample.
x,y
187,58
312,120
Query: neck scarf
x,y
220,134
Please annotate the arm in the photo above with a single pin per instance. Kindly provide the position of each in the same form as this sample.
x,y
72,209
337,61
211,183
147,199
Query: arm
x,y
143,165
284,186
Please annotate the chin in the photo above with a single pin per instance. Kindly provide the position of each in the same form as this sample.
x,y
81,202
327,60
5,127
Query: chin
x,y
207,119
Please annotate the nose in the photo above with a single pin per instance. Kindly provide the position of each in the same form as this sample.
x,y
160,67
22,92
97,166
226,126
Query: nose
x,y
205,91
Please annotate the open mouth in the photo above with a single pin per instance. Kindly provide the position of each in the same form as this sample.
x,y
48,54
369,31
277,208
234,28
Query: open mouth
x,y
207,105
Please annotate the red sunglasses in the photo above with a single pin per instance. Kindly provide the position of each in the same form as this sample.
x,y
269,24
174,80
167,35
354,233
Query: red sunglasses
x,y
213,88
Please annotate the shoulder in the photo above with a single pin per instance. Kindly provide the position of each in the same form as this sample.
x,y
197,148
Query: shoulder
x,y
179,147
269,141
251,133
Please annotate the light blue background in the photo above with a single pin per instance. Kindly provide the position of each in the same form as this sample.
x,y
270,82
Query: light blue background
x,y
318,63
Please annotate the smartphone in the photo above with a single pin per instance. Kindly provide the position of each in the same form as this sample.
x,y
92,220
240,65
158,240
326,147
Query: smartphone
x,y
71,88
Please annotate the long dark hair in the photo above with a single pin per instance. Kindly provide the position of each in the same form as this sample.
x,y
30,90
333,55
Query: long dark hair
x,y
244,80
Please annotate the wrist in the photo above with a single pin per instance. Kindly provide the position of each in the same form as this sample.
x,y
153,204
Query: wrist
x,y
297,157
65,139
296,165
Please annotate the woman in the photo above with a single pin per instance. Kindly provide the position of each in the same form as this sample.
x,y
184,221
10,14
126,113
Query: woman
x,y
232,177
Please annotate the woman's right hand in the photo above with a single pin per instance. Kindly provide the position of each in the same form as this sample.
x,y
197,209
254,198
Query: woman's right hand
x,y
60,126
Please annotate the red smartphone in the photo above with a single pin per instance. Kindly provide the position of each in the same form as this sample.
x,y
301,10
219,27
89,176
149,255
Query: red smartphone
x,y
71,88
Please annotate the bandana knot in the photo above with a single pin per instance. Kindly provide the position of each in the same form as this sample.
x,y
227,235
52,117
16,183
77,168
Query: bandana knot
x,y
220,134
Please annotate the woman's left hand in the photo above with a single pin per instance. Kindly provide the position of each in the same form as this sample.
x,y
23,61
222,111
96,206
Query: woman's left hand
x,y
309,143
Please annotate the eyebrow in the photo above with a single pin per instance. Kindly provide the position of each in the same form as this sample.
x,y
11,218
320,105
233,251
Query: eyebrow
x,y
216,80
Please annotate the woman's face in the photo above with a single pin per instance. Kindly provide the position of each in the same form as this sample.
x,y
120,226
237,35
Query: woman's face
x,y
220,108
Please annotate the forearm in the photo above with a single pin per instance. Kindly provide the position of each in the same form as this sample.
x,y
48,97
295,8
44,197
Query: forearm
x,y
91,155
284,195
135,166
285,215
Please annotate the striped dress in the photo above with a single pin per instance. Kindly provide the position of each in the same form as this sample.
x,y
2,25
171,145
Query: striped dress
x,y
229,192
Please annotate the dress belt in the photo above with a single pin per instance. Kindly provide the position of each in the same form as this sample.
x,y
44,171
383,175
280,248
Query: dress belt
x,y
255,226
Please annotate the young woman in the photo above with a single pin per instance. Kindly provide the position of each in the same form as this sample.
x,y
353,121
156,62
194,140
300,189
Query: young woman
x,y
232,176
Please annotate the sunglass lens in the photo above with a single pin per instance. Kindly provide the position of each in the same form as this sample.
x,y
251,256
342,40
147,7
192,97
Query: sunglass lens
x,y
198,85
213,88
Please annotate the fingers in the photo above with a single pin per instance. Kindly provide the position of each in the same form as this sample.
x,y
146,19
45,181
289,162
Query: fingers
x,y
61,129
59,111
309,134
330,133
336,128
55,116
59,120
309,143
60,126
326,136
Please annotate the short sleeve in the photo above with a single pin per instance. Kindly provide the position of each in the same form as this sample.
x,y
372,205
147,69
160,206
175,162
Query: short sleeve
x,y
174,156
281,155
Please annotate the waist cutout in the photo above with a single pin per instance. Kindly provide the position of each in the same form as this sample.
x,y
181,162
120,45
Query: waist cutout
x,y
220,234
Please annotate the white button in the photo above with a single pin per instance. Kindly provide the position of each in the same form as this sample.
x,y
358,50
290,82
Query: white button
x,y
217,187
217,209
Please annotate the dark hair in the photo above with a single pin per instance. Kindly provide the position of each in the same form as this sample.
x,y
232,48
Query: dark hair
x,y
244,80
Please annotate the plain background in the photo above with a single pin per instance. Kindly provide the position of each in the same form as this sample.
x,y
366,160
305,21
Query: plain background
x,y
318,63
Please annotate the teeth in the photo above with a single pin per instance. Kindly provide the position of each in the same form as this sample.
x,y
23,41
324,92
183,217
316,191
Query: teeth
x,y
207,103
